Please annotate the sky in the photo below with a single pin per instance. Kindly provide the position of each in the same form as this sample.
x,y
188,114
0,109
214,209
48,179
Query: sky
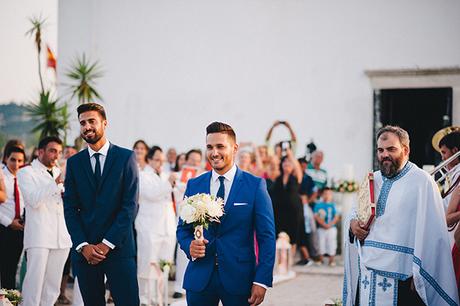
x,y
19,80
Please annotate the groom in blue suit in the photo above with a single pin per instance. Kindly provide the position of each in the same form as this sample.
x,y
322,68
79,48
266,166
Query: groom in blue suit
x,y
100,201
223,267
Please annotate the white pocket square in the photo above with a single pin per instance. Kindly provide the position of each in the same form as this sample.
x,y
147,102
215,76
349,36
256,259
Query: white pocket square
x,y
240,204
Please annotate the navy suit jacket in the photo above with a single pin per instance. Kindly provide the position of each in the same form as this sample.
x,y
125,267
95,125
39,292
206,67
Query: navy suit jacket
x,y
95,213
231,242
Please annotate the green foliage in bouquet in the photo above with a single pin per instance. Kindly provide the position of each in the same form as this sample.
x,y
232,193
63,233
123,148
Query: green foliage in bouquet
x,y
164,263
14,296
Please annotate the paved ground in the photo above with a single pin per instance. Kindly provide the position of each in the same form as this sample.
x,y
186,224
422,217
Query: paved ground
x,y
311,287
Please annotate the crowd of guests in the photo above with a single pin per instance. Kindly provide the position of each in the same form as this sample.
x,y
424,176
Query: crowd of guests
x,y
31,212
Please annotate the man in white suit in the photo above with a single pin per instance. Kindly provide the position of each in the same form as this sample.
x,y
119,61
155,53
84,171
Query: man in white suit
x,y
46,240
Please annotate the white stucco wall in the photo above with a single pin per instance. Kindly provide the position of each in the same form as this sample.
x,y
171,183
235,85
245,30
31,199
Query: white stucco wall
x,y
174,66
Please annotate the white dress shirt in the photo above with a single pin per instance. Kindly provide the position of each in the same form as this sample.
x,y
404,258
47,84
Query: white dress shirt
x,y
102,157
228,182
8,208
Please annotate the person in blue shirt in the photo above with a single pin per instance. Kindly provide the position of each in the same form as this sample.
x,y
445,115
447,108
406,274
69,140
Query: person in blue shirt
x,y
326,216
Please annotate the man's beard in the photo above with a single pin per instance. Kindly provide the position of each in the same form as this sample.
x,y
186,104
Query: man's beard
x,y
390,170
93,140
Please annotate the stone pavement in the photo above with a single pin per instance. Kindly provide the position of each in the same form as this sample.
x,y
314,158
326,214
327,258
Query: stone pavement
x,y
311,287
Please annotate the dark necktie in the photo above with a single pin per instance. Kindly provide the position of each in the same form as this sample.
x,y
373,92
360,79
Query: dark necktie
x,y
17,207
50,172
221,191
97,168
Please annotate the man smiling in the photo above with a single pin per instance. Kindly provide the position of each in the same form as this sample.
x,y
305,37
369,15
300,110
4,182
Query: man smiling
x,y
223,267
100,200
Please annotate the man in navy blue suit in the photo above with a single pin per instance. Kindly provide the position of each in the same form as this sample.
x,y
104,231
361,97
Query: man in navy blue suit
x,y
223,267
100,201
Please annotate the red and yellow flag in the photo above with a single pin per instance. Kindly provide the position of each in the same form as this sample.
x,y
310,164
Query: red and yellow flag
x,y
51,58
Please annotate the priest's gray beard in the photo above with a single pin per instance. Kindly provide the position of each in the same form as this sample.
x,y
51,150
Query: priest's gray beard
x,y
389,166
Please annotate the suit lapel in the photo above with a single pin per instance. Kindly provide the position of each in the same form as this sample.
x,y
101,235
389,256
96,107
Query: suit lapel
x,y
237,182
109,161
88,170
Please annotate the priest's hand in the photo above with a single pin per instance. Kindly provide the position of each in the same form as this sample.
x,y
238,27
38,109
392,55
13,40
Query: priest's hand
x,y
198,248
357,228
92,254
257,295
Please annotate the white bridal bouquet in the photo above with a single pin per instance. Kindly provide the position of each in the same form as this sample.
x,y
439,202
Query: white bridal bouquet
x,y
200,210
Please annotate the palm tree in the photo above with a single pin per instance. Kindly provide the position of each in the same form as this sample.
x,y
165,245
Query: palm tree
x,y
83,73
37,25
52,119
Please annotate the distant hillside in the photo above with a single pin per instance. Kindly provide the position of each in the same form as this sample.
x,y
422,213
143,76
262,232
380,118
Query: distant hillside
x,y
16,123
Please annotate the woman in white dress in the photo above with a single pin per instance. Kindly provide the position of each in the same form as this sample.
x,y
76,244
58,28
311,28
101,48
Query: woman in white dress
x,y
155,226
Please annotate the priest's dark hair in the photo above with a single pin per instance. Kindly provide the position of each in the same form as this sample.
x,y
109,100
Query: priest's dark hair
x,y
220,127
45,141
87,107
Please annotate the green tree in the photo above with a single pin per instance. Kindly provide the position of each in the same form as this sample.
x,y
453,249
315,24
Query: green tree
x,y
83,75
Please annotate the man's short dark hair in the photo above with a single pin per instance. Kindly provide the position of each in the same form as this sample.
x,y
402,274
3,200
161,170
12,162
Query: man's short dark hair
x,y
220,127
11,143
88,107
45,141
152,152
15,149
451,141
198,151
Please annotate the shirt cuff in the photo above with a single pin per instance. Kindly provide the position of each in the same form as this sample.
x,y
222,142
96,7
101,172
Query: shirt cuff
x,y
261,285
5,221
109,244
78,248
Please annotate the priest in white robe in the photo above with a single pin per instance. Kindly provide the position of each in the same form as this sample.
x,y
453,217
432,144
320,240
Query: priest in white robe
x,y
405,257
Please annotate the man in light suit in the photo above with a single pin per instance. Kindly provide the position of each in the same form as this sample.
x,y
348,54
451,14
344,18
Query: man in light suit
x,y
46,239
223,267
100,201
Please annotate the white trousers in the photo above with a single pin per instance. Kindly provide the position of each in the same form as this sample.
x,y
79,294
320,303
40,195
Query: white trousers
x,y
181,266
151,290
327,239
42,282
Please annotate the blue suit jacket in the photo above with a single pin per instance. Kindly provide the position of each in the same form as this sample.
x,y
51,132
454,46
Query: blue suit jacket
x,y
232,241
107,212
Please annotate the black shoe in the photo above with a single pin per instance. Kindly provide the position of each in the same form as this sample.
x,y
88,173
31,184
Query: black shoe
x,y
302,262
177,295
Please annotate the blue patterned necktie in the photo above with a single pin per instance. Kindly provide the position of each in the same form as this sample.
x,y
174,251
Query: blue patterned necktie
x,y
97,169
221,191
